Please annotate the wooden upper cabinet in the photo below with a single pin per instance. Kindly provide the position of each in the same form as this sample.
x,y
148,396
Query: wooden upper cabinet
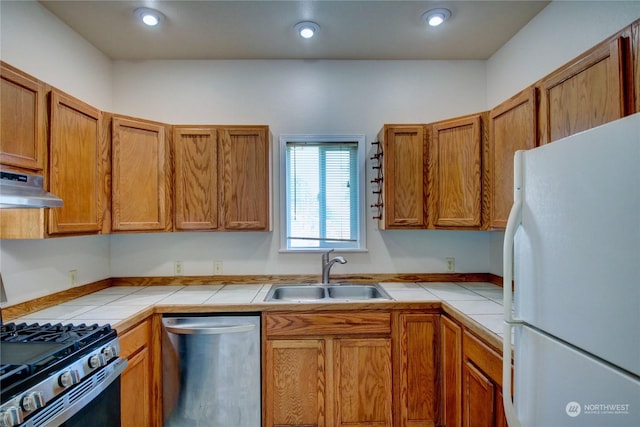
x,y
244,165
586,92
196,178
456,172
22,120
141,176
512,127
77,157
404,149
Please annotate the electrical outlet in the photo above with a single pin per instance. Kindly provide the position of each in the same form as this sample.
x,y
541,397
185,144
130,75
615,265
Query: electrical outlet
x,y
178,268
451,264
73,277
217,267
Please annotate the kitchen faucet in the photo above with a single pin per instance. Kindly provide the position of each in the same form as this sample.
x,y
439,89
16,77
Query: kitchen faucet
x,y
327,264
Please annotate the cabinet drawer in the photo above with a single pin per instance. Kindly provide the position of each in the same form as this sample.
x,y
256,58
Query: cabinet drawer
x,y
134,339
351,323
485,358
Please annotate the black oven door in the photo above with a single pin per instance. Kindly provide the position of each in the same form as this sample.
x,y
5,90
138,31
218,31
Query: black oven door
x,y
102,411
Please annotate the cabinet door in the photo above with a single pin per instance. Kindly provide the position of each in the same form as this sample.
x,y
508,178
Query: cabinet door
x,y
512,127
451,351
417,393
362,382
585,93
140,176
77,157
196,178
478,397
245,178
136,381
455,171
295,383
22,119
404,176
135,405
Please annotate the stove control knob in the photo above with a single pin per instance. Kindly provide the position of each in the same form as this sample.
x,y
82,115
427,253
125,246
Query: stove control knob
x,y
10,417
96,361
32,401
110,352
68,378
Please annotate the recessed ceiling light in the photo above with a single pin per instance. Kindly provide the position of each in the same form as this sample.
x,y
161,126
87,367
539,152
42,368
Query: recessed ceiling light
x,y
307,29
149,17
435,17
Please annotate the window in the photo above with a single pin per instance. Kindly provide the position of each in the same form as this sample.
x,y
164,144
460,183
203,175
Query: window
x,y
322,192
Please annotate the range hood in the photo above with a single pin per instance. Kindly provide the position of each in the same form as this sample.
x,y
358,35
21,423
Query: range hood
x,y
24,190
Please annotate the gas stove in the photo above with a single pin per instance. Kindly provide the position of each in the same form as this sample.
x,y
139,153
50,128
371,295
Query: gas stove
x,y
41,364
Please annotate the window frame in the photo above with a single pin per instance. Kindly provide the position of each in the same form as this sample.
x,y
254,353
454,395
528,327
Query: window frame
x,y
360,140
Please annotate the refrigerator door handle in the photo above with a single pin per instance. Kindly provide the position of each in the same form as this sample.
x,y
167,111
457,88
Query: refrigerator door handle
x,y
515,218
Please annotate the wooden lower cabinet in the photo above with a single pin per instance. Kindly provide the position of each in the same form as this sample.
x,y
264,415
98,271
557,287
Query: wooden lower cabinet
x,y
451,351
481,384
358,368
139,380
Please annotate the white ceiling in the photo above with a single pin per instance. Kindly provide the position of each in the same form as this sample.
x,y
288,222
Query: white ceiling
x,y
239,29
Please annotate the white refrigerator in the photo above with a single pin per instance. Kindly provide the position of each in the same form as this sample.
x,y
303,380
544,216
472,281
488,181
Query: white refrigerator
x,y
572,247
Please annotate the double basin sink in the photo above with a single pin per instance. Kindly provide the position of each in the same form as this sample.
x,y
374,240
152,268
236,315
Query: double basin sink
x,y
327,293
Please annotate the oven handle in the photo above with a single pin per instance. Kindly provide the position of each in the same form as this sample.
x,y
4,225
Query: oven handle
x,y
115,369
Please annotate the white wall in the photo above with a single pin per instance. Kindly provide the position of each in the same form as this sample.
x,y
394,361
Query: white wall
x,y
559,33
38,43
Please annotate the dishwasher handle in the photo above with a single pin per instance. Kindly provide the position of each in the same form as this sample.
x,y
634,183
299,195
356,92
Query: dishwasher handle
x,y
191,326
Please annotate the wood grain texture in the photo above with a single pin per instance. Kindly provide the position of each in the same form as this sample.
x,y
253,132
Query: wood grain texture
x,y
363,384
455,173
512,127
296,381
22,119
478,398
451,351
317,323
136,379
586,92
141,176
76,165
196,178
484,357
22,223
245,177
417,378
404,170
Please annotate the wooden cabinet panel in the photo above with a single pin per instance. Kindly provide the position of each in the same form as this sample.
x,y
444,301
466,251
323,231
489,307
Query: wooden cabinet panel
x,y
245,177
363,382
451,351
196,178
22,119
295,383
455,172
404,176
512,127
137,407
417,370
77,158
319,323
141,176
479,397
585,93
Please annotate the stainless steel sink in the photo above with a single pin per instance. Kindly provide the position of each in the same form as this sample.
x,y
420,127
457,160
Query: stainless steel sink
x,y
296,293
327,293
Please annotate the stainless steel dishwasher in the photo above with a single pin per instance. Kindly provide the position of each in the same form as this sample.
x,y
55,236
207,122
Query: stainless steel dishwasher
x,y
211,371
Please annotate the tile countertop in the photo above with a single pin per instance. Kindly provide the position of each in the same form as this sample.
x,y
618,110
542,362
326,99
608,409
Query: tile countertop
x,y
479,303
